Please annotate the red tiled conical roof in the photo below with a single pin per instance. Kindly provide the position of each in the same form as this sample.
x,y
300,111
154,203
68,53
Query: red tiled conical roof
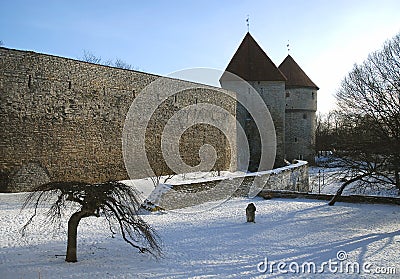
x,y
296,77
251,63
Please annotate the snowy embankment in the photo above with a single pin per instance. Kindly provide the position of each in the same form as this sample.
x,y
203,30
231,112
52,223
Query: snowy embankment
x,y
325,181
210,244
145,186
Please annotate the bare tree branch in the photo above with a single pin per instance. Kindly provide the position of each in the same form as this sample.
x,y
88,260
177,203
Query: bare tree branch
x,y
365,131
113,200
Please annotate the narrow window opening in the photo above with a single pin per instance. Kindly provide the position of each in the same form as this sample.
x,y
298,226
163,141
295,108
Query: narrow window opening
x,y
69,84
287,94
29,81
304,116
295,139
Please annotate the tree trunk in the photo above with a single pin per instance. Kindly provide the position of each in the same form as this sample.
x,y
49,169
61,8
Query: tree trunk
x,y
72,235
340,191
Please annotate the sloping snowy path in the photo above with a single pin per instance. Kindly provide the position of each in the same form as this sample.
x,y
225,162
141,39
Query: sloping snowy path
x,y
210,244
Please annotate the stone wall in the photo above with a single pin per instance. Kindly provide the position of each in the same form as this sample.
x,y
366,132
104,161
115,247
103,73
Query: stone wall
x,y
173,196
67,116
300,135
301,98
301,107
273,95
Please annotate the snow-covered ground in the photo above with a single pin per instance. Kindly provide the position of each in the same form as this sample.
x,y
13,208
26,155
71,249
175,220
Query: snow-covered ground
x,y
325,181
322,180
213,244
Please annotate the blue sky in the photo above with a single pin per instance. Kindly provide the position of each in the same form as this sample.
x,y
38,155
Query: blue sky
x,y
326,37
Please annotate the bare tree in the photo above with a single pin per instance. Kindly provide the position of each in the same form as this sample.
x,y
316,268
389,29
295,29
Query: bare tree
x,y
368,138
326,130
364,172
88,56
118,63
115,201
1,43
156,180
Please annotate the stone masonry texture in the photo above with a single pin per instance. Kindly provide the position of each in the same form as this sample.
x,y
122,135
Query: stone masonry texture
x,y
65,117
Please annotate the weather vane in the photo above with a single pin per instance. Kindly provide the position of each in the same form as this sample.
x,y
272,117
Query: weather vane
x,y
288,47
248,23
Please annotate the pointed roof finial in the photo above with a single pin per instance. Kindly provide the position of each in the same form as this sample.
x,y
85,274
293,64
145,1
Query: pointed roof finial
x,y
288,47
251,63
248,23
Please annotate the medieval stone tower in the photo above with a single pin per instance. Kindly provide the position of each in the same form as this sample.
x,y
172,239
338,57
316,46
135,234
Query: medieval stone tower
x,y
291,98
300,108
